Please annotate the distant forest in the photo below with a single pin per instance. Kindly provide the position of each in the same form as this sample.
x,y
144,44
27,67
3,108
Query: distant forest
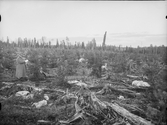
x,y
91,45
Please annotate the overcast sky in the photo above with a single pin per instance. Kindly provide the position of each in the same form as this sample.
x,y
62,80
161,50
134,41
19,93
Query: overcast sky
x,y
125,22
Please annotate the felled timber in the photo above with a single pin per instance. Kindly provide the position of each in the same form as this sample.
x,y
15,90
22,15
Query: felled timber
x,y
141,89
134,77
132,108
125,113
88,107
110,89
22,107
95,88
43,122
53,90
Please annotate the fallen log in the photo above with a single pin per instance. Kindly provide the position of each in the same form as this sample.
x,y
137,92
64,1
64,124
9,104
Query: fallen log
x,y
43,122
110,89
23,107
54,90
125,113
141,89
132,108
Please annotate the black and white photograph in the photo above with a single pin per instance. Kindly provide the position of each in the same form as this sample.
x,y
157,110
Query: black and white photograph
x,y
82,62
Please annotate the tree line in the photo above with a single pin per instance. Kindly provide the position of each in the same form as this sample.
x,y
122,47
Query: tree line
x,y
91,45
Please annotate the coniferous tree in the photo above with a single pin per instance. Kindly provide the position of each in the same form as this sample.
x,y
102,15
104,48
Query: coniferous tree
x,y
25,42
7,41
94,43
35,42
83,45
67,39
57,44
19,42
49,44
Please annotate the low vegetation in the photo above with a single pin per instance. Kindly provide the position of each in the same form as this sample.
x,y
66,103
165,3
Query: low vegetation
x,y
146,63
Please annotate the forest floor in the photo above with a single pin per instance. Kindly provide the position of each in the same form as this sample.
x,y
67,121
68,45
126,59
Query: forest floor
x,y
117,92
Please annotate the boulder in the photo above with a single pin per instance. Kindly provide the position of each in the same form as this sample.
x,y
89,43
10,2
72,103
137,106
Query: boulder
x,y
22,93
140,83
40,104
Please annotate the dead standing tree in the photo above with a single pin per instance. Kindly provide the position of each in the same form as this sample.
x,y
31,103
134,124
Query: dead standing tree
x,y
104,41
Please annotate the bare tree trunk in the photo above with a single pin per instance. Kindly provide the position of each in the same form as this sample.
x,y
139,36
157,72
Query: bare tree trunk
x,y
104,40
